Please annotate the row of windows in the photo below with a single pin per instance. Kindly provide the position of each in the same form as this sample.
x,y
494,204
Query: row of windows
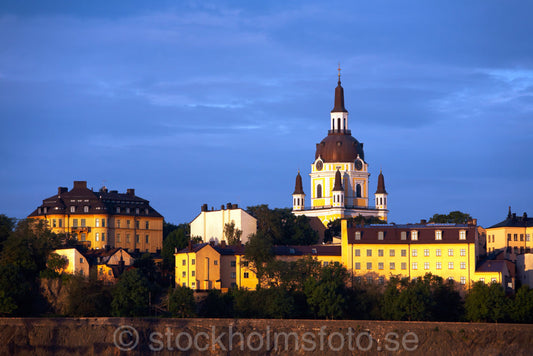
x,y
118,209
414,252
118,224
233,274
414,265
413,235
515,237
357,191
137,238
381,280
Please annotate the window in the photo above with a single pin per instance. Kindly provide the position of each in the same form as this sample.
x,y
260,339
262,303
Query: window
x,y
450,265
72,209
193,273
215,262
404,235
404,265
369,253
233,263
97,236
414,235
414,253
81,259
508,237
83,223
358,235
462,235
137,239
521,237
127,210
118,237
184,274
482,280
358,191
439,265
380,265
369,280
527,235
438,235
450,252
137,223
493,280
118,223
357,265
137,211
193,261
128,238
319,191
85,209
426,252
246,275
515,237
147,225
369,265
391,253
233,275
462,252
450,279
415,265
325,263
357,252
463,280
404,253
103,236
54,223
146,238
74,222
183,262
438,252
392,265
245,264
97,222
103,222
60,221
380,235
193,284
128,223
118,209
381,280
380,253
426,265
463,265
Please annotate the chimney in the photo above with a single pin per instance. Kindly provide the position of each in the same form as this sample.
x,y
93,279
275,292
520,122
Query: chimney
x,y
228,205
235,206
80,184
223,243
190,245
423,222
222,207
524,217
130,191
474,222
204,207
61,190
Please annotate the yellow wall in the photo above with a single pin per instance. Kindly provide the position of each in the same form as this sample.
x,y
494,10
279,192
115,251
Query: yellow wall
x,y
498,238
76,262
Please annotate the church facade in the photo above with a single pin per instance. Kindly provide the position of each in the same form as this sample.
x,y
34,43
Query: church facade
x,y
339,175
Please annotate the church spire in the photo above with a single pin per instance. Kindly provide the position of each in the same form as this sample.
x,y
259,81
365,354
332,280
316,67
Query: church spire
x,y
381,184
298,188
339,95
338,182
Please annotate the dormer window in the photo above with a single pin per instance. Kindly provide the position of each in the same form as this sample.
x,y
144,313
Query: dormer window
x,y
72,209
414,235
404,235
118,209
39,210
137,211
462,235
380,235
85,209
358,235
438,235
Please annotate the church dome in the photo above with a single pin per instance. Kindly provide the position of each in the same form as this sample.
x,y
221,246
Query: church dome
x,y
339,147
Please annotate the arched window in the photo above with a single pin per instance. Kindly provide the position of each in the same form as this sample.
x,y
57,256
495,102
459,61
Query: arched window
x,y
380,201
339,124
344,123
319,191
358,191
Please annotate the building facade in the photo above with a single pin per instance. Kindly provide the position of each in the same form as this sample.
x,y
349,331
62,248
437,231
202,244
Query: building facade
x,y
76,262
511,236
103,219
339,175
209,224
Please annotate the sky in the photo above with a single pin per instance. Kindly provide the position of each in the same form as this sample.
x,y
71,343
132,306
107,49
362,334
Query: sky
x,y
193,102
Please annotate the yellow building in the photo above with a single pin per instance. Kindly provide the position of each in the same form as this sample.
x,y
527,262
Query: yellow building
x,y
377,252
108,265
104,218
76,262
340,175
511,236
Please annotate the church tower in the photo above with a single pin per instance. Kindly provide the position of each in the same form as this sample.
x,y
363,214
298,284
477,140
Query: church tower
x,y
339,173
381,197
298,197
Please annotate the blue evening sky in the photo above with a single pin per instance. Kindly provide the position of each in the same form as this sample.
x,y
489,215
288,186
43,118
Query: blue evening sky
x,y
193,102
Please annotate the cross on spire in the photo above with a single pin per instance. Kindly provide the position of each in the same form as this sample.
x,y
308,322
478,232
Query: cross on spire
x,y
339,69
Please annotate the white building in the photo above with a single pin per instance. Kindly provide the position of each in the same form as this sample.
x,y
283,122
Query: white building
x,y
76,262
524,269
209,224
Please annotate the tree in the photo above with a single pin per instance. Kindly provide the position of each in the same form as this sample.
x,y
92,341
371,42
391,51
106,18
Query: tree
x,y
6,227
327,295
177,239
485,303
454,217
15,290
258,252
217,305
87,297
232,234
521,308
181,302
131,294
334,227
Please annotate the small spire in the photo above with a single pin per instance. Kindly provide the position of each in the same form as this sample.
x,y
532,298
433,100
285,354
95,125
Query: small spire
x,y
339,95
339,69
298,187
338,182
381,184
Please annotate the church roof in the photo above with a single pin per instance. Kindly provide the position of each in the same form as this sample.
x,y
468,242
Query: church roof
x,y
381,184
298,189
339,147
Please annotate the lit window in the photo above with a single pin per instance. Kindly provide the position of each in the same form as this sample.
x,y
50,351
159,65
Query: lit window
x,y
97,237
462,235
463,280
414,235
357,265
358,252
380,265
426,252
450,252
493,280
414,252
415,265
404,235
97,222
358,235
380,253
404,265
463,265
380,235
426,265
369,253
438,235
85,209
369,265
391,253
193,284
404,253
438,252
450,265
439,265
462,252
482,280
392,265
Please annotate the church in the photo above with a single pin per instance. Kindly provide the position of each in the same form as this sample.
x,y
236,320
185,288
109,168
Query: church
x,y
339,175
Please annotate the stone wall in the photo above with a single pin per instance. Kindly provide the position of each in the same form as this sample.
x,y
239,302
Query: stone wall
x,y
115,336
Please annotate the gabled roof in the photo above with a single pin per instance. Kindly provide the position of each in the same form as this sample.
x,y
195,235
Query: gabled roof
x,y
501,266
514,221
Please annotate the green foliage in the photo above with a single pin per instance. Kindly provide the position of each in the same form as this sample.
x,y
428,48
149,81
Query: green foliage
x,y
334,227
326,295
131,295
292,274
521,308
178,239
282,227
485,303
217,305
258,252
15,291
232,234
87,297
181,302
6,227
454,217
271,303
